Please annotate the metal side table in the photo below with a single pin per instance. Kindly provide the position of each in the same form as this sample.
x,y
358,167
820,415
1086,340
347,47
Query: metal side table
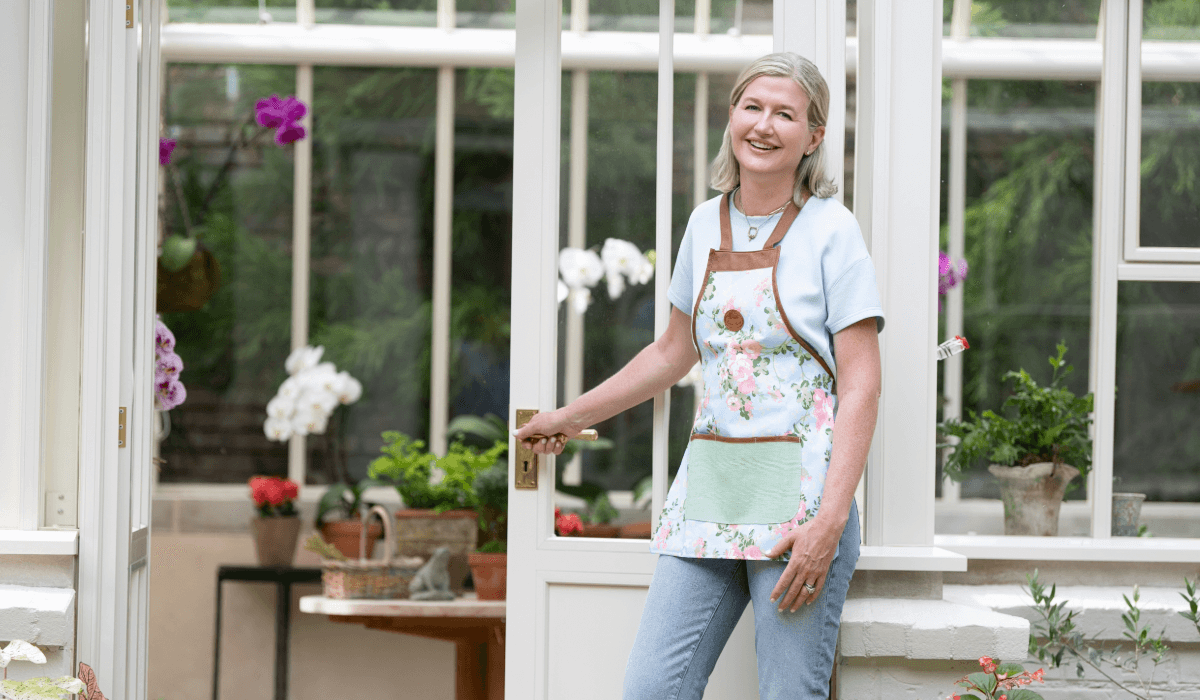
x,y
283,577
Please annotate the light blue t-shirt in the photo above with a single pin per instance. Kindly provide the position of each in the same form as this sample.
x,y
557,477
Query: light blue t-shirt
x,y
826,278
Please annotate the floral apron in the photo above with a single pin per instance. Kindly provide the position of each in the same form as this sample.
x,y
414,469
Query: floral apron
x,y
755,465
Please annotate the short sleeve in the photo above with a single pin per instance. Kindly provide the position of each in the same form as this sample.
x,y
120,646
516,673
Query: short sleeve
x,y
853,296
680,291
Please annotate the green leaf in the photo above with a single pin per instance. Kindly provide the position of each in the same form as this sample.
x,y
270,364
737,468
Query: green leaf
x,y
1023,694
176,252
1009,670
40,688
984,681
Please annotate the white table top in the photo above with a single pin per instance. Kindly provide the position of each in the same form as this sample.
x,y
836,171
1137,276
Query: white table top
x,y
467,606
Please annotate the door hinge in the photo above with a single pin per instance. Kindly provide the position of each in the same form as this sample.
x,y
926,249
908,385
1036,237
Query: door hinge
x,y
122,418
129,15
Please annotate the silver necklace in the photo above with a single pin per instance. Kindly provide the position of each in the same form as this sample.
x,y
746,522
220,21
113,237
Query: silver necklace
x,y
753,230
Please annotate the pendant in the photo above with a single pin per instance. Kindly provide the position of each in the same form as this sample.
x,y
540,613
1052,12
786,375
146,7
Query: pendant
x,y
753,232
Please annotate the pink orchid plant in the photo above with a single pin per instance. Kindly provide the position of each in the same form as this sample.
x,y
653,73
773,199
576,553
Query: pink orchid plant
x,y
169,392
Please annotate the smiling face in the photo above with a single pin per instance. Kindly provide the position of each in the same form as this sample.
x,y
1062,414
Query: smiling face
x,y
769,128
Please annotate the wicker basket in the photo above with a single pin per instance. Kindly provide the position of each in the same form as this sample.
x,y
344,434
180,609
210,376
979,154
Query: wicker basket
x,y
388,578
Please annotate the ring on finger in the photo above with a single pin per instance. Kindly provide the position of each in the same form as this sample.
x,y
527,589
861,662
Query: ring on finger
x,y
810,588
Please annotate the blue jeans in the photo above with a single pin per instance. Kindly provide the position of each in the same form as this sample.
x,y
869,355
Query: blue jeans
x,y
694,604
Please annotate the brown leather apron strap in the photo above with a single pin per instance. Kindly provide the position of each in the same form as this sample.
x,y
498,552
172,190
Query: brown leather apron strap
x,y
726,231
781,228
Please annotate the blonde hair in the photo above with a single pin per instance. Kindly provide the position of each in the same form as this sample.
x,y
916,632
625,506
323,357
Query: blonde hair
x,y
810,173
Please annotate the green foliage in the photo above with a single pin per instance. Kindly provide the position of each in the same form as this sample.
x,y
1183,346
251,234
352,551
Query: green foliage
x,y
345,499
1054,636
1193,613
999,680
491,493
408,467
599,511
1045,424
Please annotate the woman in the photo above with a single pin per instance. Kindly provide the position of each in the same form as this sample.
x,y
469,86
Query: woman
x,y
772,285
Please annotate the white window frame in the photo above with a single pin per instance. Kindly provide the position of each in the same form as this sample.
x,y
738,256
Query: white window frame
x,y
959,57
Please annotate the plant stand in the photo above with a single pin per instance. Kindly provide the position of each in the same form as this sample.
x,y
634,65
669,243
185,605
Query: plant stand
x,y
1032,496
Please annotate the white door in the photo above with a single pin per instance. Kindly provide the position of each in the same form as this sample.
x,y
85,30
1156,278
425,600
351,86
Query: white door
x,y
116,393
574,604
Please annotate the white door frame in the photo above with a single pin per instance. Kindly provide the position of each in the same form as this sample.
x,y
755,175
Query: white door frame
x,y
120,226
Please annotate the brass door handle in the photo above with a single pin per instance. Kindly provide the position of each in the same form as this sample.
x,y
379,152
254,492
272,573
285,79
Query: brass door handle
x,y
589,435
526,459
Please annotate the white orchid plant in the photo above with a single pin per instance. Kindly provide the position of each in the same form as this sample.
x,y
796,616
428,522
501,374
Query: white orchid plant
x,y
309,396
40,688
618,263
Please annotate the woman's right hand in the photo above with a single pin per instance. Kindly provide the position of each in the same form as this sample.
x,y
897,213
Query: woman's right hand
x,y
552,424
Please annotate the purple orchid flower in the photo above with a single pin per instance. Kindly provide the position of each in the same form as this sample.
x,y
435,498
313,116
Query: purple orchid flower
x,y
164,339
289,133
165,146
169,394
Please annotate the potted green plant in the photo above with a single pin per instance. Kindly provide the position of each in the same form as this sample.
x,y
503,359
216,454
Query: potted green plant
x,y
597,517
438,497
489,562
339,517
1035,450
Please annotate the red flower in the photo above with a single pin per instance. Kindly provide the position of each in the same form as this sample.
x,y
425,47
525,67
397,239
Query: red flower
x,y
567,524
988,665
272,494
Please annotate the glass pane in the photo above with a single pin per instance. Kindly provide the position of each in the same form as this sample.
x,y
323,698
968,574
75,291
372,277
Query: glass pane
x,y
1074,19
742,16
486,14
482,264
230,186
372,254
1170,20
407,13
1170,193
1156,445
230,11
1028,243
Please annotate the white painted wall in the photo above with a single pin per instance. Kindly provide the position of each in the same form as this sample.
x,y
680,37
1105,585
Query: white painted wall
x,y
14,86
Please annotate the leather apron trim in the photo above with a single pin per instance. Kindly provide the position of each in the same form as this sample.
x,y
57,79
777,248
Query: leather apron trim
x,y
722,438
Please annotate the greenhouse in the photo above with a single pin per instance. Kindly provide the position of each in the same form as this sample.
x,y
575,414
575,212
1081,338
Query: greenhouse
x,y
276,262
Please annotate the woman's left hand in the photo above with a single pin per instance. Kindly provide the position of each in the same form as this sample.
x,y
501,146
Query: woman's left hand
x,y
813,545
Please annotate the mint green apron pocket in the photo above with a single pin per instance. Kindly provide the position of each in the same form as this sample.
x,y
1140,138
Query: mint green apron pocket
x,y
743,482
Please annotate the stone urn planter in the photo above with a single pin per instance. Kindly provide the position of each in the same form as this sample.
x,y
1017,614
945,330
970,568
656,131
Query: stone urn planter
x,y
490,574
1126,513
419,532
1032,496
275,539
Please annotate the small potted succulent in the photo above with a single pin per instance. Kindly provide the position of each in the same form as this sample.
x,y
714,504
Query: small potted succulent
x,y
489,563
1035,449
597,517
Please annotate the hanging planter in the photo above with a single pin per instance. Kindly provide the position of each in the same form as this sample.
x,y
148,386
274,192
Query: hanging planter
x,y
191,286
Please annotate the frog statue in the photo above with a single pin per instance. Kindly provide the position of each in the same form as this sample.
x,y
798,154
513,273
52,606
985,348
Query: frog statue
x,y
432,581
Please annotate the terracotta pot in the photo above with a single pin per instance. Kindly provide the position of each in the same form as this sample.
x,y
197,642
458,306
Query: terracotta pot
x,y
490,573
275,539
1126,513
639,531
600,530
419,532
346,535
1032,496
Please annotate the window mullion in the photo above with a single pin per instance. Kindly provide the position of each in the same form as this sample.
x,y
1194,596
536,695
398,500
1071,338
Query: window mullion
x,y
301,247
662,238
576,233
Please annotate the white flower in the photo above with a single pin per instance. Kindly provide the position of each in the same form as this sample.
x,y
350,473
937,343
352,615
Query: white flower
x,y
580,268
644,272
278,429
563,291
279,407
308,422
323,377
303,358
581,299
290,389
318,400
616,283
622,260
19,650
349,389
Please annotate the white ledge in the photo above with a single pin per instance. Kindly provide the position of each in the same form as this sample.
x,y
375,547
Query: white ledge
x,y
42,616
1097,609
462,607
1116,549
877,558
929,629
47,542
